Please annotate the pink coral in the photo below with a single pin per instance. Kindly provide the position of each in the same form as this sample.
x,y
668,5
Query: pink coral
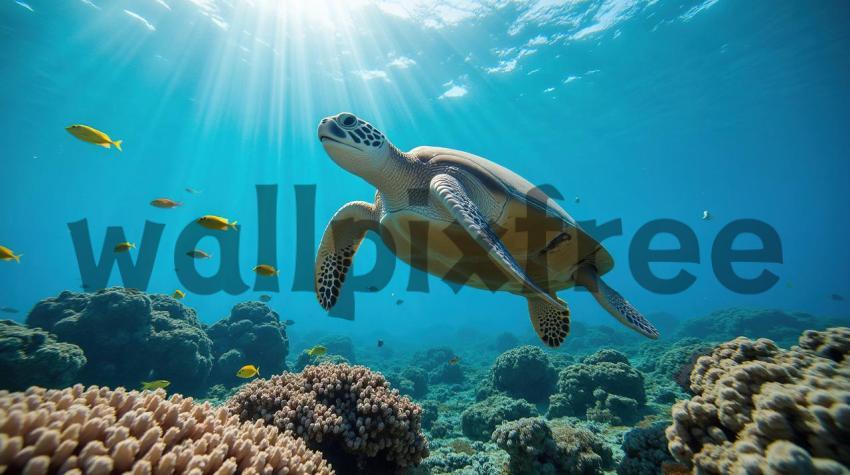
x,y
341,409
101,431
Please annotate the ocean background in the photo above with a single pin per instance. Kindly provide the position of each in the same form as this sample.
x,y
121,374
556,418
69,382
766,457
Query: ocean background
x,y
642,109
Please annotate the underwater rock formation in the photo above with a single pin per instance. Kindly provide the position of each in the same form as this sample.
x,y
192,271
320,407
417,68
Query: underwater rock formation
x,y
305,360
447,374
252,334
536,448
603,388
413,380
129,336
669,367
478,420
586,338
524,372
101,431
339,345
33,357
773,324
349,413
761,409
645,450
430,413
432,358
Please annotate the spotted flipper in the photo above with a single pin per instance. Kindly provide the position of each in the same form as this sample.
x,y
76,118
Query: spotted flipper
x,y
340,241
614,303
451,193
552,324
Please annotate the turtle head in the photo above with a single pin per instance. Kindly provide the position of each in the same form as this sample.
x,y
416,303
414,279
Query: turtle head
x,y
354,144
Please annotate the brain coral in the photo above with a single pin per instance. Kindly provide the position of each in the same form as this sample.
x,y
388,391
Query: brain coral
x,y
760,409
537,448
100,431
251,334
129,336
31,356
525,372
348,412
606,390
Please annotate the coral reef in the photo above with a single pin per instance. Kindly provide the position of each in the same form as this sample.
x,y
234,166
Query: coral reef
x,y
773,324
447,374
129,336
251,334
605,388
761,409
479,419
461,457
645,450
535,448
339,345
100,431
418,379
33,357
432,358
305,360
349,413
524,372
430,413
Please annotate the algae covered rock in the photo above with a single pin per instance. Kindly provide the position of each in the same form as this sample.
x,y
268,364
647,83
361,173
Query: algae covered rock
x,y
33,357
252,334
536,447
606,390
479,419
129,336
761,409
524,372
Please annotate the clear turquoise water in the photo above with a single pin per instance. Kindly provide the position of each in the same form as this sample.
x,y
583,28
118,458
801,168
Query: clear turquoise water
x,y
740,108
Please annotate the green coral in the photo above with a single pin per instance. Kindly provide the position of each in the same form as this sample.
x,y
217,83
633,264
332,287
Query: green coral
x,y
602,390
479,419
524,372
33,357
536,447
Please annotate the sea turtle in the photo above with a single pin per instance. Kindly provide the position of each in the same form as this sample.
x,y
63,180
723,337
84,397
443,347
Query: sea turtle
x,y
464,219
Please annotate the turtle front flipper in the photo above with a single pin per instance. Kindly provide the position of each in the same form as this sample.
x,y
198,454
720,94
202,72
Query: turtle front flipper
x,y
342,237
552,324
614,303
447,190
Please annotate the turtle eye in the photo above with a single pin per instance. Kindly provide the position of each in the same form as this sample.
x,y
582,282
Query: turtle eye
x,y
347,120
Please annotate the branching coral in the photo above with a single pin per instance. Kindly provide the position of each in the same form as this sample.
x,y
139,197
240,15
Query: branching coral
x,y
345,411
760,409
31,356
100,431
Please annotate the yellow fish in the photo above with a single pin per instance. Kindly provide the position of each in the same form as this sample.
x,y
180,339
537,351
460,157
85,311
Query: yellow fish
x,y
266,270
124,246
165,203
92,135
216,222
178,294
317,350
455,360
248,371
159,383
6,254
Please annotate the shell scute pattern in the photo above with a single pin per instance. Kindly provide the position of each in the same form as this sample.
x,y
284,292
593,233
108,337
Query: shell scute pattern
x,y
332,274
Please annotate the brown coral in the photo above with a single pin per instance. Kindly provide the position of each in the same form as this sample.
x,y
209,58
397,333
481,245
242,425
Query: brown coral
x,y
101,431
759,409
345,411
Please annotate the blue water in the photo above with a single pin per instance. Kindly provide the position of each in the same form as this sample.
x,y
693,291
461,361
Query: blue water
x,y
644,110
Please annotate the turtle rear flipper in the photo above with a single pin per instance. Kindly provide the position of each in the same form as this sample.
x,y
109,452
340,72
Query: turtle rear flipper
x,y
614,303
551,323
